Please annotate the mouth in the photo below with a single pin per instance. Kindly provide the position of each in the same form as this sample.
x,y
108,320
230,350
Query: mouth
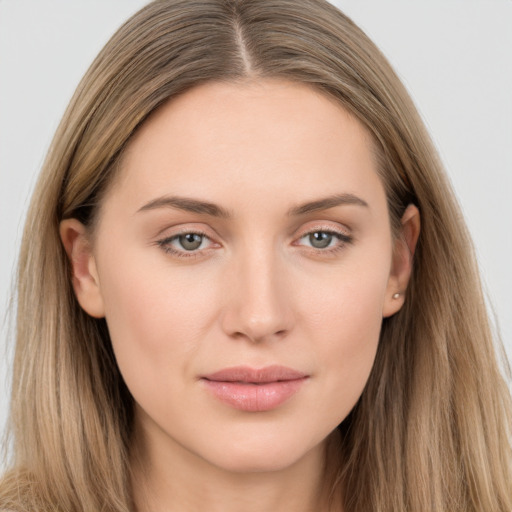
x,y
254,390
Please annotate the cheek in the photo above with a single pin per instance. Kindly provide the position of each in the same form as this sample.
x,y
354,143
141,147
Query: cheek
x,y
155,317
345,322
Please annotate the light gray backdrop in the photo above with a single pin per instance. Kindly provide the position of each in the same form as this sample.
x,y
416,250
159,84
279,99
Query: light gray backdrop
x,y
455,57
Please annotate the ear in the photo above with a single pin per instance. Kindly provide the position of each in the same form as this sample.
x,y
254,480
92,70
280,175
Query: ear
x,y
401,266
85,279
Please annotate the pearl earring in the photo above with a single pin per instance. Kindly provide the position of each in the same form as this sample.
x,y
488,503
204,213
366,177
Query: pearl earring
x,y
396,296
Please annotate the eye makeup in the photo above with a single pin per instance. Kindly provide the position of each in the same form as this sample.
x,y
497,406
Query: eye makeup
x,y
193,243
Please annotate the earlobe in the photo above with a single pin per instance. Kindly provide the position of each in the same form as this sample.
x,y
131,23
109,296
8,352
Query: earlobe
x,y
85,278
403,253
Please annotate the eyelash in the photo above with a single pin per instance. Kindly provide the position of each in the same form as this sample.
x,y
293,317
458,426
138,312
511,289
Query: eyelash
x,y
165,244
343,239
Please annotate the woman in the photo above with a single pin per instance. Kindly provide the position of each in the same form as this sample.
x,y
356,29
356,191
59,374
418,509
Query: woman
x,y
248,284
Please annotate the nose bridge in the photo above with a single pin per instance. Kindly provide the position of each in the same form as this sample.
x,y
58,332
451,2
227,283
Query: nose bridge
x,y
259,305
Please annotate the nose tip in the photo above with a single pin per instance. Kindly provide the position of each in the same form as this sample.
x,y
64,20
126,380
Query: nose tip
x,y
258,305
259,329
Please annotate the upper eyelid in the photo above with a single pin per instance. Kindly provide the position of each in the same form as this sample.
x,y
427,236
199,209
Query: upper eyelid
x,y
328,229
174,236
303,231
175,231
339,234
324,228
299,233
343,238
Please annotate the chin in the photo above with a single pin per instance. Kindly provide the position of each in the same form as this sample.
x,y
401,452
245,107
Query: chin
x,y
259,455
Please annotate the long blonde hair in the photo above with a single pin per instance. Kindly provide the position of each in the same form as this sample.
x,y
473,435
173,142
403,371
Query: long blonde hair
x,y
431,431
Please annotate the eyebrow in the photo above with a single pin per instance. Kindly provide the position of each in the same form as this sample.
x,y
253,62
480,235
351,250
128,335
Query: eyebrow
x,y
186,204
326,203
206,208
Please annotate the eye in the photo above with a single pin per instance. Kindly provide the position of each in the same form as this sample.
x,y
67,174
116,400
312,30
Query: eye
x,y
186,244
323,239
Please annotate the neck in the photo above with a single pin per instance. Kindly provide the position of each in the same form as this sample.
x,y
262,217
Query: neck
x,y
177,480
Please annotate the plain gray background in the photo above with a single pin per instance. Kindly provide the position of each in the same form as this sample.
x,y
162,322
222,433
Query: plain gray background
x,y
455,57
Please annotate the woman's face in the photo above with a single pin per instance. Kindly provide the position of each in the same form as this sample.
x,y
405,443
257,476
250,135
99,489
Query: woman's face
x,y
244,262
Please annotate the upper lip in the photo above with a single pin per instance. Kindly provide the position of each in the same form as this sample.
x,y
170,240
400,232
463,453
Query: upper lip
x,y
274,373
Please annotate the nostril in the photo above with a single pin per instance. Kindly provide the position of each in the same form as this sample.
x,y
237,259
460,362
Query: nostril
x,y
259,337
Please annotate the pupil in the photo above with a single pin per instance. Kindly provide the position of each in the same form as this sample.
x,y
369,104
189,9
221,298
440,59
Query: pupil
x,y
190,241
320,239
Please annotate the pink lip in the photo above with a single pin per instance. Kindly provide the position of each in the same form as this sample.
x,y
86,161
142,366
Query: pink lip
x,y
254,390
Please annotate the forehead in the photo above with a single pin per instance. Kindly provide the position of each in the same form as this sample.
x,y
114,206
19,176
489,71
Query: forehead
x,y
230,139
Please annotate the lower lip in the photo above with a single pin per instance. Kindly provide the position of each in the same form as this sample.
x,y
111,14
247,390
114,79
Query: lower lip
x,y
254,397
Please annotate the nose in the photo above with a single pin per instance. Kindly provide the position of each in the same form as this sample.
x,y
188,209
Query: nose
x,y
258,303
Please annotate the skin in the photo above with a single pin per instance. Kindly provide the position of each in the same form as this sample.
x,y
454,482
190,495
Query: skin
x,y
256,292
